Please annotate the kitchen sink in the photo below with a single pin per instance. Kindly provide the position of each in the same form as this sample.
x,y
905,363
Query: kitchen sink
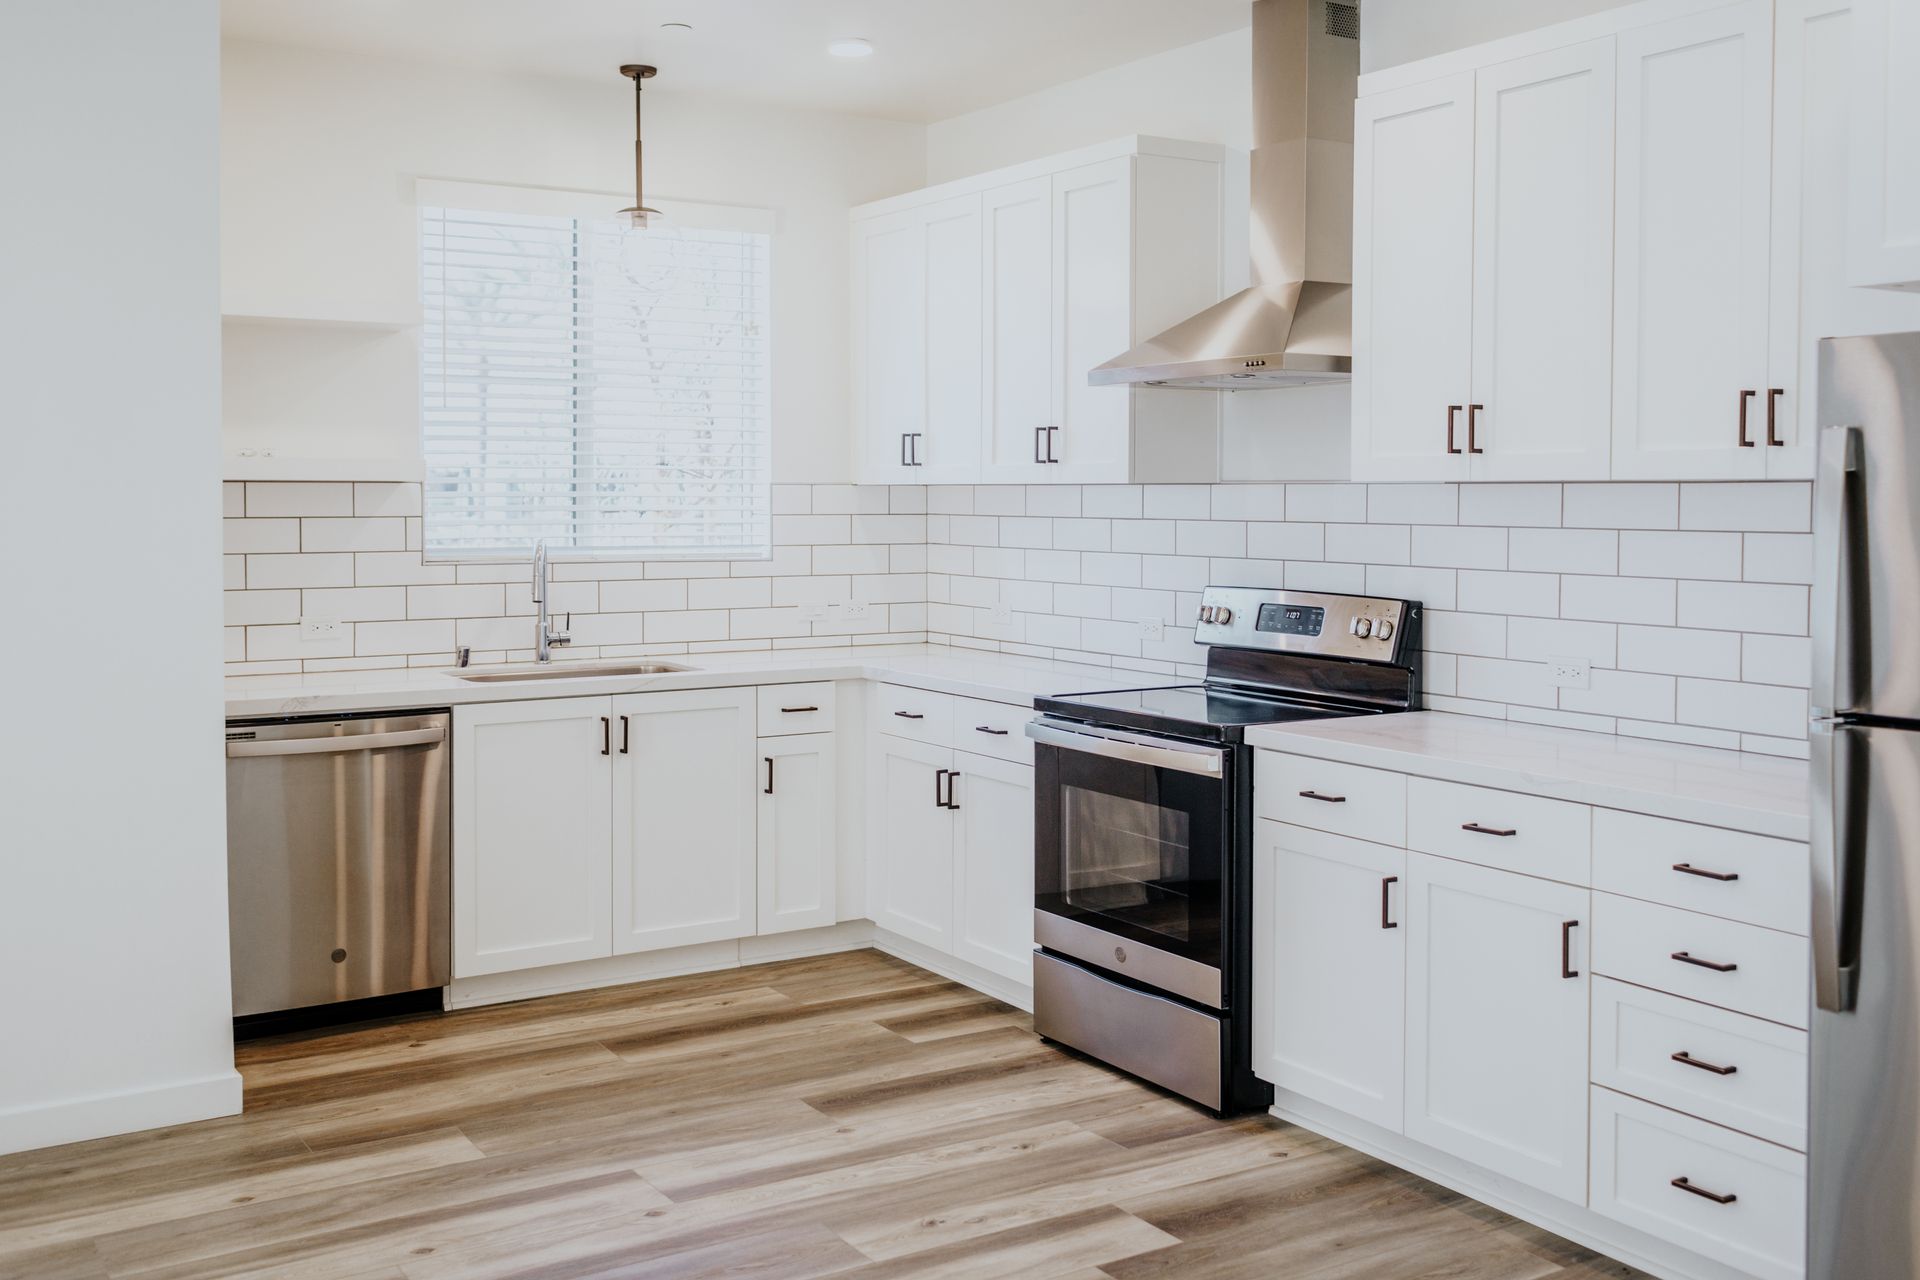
x,y
565,671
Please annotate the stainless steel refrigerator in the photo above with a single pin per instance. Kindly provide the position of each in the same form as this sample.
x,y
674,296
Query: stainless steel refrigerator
x,y
1864,1155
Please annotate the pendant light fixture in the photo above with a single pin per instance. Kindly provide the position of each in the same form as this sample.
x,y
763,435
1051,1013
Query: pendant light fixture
x,y
639,216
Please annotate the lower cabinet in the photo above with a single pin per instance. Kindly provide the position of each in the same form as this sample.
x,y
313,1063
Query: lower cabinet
x,y
1497,1021
1329,947
532,834
799,847
910,845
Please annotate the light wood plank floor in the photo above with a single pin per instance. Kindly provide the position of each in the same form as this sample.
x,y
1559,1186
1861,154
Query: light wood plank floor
x,y
844,1116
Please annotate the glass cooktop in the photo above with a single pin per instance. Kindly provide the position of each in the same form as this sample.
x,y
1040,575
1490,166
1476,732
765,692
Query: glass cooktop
x,y
1188,710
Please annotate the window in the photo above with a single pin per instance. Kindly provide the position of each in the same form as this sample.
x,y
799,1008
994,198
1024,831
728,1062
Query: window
x,y
605,391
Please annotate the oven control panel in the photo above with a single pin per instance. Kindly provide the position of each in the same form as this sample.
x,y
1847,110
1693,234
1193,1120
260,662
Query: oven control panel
x,y
1301,622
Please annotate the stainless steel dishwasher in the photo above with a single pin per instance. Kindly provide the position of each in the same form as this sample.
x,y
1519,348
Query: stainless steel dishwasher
x,y
338,858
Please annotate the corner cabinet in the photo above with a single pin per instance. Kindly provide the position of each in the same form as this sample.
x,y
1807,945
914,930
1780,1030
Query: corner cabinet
x,y
979,307
1883,239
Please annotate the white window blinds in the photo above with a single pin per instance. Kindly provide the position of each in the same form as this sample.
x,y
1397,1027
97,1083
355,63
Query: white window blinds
x,y
602,389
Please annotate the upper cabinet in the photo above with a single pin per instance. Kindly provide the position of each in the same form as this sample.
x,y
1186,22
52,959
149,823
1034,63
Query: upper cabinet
x,y
979,307
1609,249
1883,239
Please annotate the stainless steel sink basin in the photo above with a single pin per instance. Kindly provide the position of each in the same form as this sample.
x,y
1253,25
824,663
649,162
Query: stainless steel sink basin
x,y
566,671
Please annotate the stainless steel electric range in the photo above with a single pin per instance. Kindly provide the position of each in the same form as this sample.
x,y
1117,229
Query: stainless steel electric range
x,y
1143,831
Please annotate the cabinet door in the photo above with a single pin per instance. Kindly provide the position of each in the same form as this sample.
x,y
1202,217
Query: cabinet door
x,y
1496,1031
798,846
1691,253
1017,378
910,840
949,450
1884,155
1811,296
1543,266
683,835
532,834
1092,321
1412,280
889,344
993,865
1329,946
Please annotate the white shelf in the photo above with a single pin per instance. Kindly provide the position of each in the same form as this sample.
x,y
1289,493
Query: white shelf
x,y
412,470
327,318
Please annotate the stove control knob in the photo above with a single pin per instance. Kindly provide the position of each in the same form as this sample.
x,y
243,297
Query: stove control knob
x,y
1363,627
1206,613
1385,630
1223,615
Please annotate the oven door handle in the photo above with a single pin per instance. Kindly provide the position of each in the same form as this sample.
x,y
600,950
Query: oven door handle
x,y
1206,761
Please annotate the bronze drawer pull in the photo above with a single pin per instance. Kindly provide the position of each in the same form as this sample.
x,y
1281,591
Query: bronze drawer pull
x,y
1315,795
1687,1059
1386,885
787,711
1773,401
1452,410
1566,949
910,715
1684,958
1744,397
1489,831
1688,869
987,728
1702,1192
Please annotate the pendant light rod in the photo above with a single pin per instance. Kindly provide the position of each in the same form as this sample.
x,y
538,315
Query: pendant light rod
x,y
639,73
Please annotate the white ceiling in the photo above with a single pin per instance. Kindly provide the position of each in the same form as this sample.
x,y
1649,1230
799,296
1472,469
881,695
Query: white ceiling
x,y
933,59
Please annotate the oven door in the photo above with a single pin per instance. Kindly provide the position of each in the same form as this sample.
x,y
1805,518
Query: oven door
x,y
1131,839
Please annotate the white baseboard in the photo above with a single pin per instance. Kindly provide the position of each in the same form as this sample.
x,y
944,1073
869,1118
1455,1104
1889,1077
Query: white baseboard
x,y
969,975
1575,1222
103,1115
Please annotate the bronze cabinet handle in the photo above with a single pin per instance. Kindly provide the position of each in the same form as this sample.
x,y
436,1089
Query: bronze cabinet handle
x,y
1688,869
910,715
987,728
1452,410
1386,886
1745,395
768,789
1039,434
787,711
606,736
1315,795
952,801
939,777
1687,1059
1477,829
1702,1192
1472,410
1773,401
903,449
915,453
1566,949
1684,958
626,734
1050,454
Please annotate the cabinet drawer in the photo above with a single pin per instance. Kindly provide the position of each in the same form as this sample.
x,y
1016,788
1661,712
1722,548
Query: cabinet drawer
x,y
1723,873
1736,966
995,729
1724,1067
796,708
1528,834
1640,1151
1368,804
913,713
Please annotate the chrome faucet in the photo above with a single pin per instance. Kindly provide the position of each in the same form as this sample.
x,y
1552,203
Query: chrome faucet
x,y
545,638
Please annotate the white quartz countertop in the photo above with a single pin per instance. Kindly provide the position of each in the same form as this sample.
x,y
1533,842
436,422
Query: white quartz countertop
x,y
1761,794
970,673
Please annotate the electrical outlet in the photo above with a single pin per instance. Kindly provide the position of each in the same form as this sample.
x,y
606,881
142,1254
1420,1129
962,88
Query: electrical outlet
x,y
1152,629
1569,673
813,613
321,629
854,610
1001,615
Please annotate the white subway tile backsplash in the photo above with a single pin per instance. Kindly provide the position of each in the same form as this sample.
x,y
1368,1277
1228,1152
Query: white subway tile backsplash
x,y
1172,573
812,529
1744,606
298,498
1502,680
1413,503
1043,566
1679,651
1489,591
1564,551
1000,499
1026,531
1543,639
1083,535
1368,543
1247,573
332,570
265,644
1314,575
1249,502
630,596
1776,660
1327,503
1511,505
1433,587
1110,569
1459,547
365,604
1648,554
1178,502
1749,506
1113,501
386,499
372,533
1638,695
1772,710
1620,506
242,536
1644,600
233,499
378,639
1053,500
257,608
1779,557
1150,537
1291,541
1083,601
871,558
730,593
1482,635
1210,538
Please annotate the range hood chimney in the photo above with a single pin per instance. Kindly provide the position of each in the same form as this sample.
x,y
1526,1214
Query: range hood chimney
x,y
1294,326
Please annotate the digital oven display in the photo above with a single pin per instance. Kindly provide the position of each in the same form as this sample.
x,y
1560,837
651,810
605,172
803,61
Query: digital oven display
x,y
1291,619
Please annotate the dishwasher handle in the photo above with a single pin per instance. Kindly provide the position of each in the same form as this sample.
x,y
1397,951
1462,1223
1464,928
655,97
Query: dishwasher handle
x,y
354,742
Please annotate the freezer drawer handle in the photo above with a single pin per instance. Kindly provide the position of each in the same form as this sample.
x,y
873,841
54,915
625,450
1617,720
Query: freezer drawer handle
x,y
318,746
1489,831
1703,1193
1687,1059
1315,795
1717,967
1688,869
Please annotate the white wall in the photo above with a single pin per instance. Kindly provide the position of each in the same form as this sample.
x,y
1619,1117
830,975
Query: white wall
x,y
321,152
113,921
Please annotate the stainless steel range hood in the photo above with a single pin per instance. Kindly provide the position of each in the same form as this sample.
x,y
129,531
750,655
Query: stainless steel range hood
x,y
1294,325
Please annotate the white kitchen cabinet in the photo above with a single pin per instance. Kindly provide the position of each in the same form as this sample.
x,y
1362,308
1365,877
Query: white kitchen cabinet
x,y
889,344
1497,1021
798,847
1812,296
910,839
948,451
532,834
1542,266
1691,249
1413,281
1017,313
1329,946
1088,438
993,864
1884,156
684,847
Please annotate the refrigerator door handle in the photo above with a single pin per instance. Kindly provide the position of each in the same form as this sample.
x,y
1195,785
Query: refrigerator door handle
x,y
1832,748
1835,539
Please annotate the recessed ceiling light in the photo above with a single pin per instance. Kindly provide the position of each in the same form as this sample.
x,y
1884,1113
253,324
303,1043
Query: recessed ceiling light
x,y
851,47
